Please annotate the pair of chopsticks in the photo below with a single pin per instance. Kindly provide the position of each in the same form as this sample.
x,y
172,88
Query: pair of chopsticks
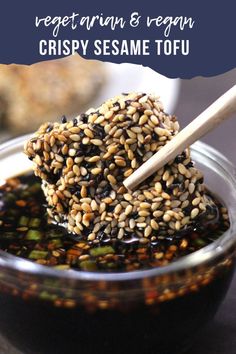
x,y
215,114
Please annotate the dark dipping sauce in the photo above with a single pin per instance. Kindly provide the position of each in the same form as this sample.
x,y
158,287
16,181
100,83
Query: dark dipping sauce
x,y
145,321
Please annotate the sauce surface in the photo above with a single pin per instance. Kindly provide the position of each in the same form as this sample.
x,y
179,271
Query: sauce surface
x,y
26,232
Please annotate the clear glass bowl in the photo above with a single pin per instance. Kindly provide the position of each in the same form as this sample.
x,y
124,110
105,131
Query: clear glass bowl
x,y
160,310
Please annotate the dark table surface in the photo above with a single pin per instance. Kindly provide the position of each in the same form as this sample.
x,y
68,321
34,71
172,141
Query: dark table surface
x,y
219,337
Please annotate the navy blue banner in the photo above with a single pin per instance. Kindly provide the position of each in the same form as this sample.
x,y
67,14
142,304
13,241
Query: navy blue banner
x,y
176,38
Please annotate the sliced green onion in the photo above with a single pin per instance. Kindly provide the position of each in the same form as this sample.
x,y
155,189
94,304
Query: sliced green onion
x,y
8,235
34,188
23,221
199,242
62,266
56,242
35,254
24,194
54,234
88,265
44,295
34,235
34,222
101,251
111,265
9,197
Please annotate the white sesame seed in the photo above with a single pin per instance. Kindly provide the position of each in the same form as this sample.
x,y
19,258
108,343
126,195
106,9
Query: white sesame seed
x,y
194,213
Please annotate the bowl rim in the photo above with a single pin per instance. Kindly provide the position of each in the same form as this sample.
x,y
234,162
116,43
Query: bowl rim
x,y
197,258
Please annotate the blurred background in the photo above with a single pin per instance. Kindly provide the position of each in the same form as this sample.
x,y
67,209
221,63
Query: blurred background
x,y
197,94
31,95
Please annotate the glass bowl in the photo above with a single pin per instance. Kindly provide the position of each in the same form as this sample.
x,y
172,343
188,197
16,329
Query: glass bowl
x,y
161,310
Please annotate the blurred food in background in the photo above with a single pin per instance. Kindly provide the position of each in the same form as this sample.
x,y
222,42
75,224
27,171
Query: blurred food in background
x,y
30,95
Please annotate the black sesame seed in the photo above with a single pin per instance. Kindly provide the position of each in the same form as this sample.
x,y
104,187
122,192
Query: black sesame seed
x,y
141,109
119,178
84,118
99,178
49,128
114,232
63,119
80,153
77,194
106,192
101,235
87,177
155,136
110,208
190,164
179,159
130,123
93,150
99,131
81,134
134,215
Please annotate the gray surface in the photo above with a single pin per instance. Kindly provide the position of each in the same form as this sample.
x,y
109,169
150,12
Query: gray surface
x,y
195,95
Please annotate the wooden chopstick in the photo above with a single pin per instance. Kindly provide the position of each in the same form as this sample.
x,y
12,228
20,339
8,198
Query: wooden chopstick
x,y
214,115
